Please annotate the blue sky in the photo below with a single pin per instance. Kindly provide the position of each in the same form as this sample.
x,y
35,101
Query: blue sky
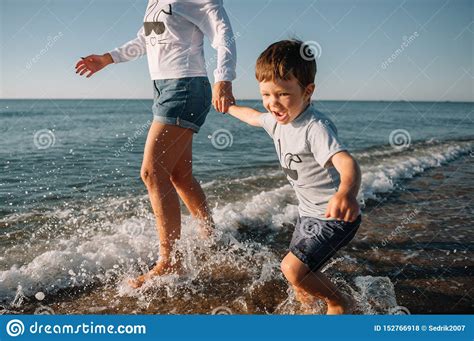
x,y
356,38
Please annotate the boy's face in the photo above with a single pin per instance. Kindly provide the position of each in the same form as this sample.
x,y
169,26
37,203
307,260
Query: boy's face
x,y
285,99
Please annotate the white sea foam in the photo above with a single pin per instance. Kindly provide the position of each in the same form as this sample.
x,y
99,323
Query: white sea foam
x,y
376,295
383,177
77,262
118,249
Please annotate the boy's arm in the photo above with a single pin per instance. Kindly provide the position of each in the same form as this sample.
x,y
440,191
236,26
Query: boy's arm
x,y
247,115
343,205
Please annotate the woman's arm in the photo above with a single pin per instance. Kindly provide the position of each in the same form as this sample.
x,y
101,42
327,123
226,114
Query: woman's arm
x,y
131,50
247,115
211,18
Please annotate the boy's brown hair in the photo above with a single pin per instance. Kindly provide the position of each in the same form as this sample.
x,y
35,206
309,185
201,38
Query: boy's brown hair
x,y
284,60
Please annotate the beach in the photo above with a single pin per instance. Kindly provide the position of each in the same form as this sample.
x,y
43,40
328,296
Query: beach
x,y
76,222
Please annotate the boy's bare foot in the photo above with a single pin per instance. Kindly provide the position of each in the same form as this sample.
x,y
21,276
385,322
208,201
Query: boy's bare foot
x,y
304,298
308,301
161,268
345,306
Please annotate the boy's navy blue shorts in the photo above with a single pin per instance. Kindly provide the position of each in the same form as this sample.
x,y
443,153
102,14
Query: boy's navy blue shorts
x,y
315,241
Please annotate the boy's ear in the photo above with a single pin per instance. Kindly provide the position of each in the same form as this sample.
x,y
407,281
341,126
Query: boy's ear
x,y
310,90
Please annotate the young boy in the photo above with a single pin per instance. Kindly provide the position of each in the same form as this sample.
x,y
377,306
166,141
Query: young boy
x,y
325,177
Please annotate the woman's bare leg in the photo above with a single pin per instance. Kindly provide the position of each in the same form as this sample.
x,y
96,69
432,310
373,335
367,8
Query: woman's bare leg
x,y
190,191
163,149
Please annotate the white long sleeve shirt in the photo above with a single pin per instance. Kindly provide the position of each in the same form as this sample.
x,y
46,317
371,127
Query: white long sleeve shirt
x,y
172,37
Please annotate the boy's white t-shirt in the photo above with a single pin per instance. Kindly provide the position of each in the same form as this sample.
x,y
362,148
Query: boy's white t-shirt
x,y
172,37
304,147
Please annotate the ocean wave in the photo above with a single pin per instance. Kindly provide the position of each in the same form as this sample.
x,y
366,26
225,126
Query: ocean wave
x,y
118,249
383,175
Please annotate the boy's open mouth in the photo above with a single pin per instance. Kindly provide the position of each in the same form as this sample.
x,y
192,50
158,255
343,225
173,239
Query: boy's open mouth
x,y
280,116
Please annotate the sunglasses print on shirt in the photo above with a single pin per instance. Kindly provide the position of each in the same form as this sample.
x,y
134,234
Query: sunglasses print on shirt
x,y
155,25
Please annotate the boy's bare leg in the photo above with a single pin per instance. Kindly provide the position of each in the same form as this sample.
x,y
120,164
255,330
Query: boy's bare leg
x,y
164,146
190,191
315,284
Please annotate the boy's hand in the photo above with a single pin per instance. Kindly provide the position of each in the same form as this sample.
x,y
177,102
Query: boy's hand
x,y
343,206
222,96
93,63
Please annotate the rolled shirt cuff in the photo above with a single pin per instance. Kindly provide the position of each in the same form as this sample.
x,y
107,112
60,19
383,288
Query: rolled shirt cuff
x,y
220,76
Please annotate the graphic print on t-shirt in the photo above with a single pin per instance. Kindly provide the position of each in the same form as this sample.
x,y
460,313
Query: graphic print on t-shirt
x,y
287,161
155,28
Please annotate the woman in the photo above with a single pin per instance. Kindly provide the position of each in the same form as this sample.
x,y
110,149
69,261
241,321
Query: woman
x,y
172,37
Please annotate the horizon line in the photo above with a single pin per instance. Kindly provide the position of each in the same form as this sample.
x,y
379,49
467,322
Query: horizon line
x,y
249,99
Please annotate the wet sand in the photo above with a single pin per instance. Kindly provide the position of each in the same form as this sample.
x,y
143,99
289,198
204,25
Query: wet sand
x,y
430,257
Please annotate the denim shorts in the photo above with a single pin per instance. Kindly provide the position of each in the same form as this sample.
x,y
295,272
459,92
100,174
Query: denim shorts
x,y
184,102
315,241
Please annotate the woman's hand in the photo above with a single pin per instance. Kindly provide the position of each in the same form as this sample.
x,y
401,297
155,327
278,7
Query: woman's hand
x,y
93,63
222,96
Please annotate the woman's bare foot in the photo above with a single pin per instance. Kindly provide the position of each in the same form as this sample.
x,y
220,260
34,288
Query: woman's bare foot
x,y
161,268
206,228
345,306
